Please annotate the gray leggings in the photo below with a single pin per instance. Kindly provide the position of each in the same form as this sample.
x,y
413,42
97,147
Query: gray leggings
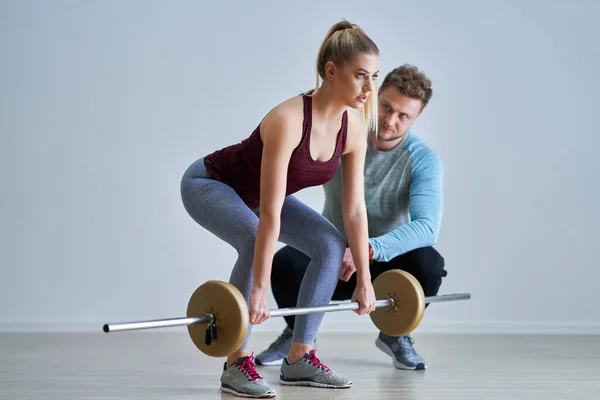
x,y
218,208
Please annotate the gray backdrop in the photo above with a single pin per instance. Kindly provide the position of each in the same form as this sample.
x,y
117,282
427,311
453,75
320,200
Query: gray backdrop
x,y
103,104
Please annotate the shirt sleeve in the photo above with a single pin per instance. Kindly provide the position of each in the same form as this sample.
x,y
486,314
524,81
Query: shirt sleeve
x,y
425,207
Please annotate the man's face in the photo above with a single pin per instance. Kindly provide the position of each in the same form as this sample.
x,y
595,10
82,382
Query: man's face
x,y
397,113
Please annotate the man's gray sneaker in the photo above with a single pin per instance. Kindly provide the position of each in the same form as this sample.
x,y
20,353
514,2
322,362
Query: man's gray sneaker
x,y
241,379
278,350
401,350
310,371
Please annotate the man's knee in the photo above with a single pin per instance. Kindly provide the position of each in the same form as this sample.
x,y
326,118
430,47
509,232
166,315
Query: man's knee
x,y
428,256
429,268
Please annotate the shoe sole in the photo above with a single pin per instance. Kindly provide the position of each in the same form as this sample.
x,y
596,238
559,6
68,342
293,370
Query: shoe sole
x,y
252,396
383,347
313,384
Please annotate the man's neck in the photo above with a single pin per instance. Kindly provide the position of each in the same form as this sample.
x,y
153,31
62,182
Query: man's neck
x,y
385,145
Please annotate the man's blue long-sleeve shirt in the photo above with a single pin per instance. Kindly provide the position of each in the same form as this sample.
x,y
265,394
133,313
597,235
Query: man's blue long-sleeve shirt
x,y
403,194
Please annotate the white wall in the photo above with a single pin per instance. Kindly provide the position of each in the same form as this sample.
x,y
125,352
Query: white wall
x,y
103,104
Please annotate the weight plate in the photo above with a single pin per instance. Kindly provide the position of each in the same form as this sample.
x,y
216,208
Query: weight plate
x,y
226,303
409,302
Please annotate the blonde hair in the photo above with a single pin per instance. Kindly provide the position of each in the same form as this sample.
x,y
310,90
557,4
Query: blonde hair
x,y
341,44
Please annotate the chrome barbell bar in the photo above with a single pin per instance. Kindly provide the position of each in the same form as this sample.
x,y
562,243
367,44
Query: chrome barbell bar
x,y
278,312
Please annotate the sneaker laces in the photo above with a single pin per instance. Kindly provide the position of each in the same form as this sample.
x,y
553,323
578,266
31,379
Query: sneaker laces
x,y
249,368
312,358
407,343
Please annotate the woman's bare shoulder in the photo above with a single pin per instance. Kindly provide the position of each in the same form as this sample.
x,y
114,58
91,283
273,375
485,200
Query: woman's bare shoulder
x,y
357,132
288,113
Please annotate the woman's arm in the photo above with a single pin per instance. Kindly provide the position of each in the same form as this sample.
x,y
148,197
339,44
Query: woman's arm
x,y
354,211
280,135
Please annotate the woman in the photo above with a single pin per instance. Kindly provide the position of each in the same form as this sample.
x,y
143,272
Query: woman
x,y
243,194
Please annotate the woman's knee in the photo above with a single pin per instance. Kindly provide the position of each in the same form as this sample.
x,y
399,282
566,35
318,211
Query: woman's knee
x,y
331,246
305,229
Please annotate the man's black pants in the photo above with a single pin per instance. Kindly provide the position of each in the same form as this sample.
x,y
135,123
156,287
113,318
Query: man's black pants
x,y
289,266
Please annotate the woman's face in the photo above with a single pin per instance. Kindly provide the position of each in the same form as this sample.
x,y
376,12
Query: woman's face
x,y
354,81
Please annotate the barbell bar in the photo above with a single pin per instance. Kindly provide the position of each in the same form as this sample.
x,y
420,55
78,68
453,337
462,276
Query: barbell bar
x,y
218,320
158,323
278,312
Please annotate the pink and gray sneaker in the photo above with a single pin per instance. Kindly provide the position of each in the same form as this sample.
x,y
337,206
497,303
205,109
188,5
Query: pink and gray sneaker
x,y
310,371
241,379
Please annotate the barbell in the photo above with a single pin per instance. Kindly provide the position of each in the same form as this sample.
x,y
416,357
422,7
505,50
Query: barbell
x,y
217,316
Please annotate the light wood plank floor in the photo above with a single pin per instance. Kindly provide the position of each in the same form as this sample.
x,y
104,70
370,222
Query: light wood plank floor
x,y
165,365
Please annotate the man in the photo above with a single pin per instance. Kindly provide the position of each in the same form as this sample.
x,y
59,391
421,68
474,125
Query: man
x,y
403,193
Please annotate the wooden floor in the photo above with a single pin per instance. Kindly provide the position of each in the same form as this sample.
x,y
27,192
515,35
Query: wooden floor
x,y
165,365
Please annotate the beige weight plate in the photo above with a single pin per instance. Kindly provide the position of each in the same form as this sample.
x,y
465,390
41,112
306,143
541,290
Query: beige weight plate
x,y
409,303
226,303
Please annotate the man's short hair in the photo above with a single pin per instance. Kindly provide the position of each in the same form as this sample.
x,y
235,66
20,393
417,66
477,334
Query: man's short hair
x,y
410,81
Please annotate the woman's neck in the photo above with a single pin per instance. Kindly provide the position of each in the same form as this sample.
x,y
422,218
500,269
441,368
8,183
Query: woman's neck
x,y
325,104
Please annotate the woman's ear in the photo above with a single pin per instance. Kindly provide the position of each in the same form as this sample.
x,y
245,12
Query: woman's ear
x,y
330,70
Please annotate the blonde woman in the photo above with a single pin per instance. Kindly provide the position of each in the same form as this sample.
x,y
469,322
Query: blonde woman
x,y
243,194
